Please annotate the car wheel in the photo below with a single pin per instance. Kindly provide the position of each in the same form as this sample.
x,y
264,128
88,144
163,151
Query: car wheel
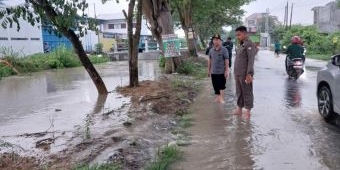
x,y
325,103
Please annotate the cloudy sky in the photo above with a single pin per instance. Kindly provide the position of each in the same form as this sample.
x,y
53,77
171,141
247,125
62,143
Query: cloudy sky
x,y
302,8
301,13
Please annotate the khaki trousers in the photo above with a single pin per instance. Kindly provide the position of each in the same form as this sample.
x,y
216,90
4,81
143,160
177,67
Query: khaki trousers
x,y
244,93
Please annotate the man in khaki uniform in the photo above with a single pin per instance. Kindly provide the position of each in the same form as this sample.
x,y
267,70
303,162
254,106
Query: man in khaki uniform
x,y
244,72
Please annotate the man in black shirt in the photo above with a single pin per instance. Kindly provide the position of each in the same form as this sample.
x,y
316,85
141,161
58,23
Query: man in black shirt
x,y
229,45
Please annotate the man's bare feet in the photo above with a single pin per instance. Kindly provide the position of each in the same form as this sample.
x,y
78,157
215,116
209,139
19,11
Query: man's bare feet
x,y
247,114
220,99
237,111
217,98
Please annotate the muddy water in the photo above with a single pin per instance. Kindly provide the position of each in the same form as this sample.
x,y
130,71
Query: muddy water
x,y
62,104
284,132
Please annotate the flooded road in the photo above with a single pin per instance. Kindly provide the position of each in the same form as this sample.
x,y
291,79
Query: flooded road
x,y
61,104
284,132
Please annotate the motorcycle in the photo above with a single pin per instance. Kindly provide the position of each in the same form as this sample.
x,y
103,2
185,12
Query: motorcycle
x,y
294,67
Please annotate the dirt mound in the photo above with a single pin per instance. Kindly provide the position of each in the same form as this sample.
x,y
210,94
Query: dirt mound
x,y
166,96
10,161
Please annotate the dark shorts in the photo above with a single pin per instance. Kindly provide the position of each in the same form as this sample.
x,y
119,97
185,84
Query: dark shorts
x,y
218,81
277,51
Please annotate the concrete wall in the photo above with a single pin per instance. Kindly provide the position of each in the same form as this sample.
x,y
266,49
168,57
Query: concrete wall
x,y
27,41
326,18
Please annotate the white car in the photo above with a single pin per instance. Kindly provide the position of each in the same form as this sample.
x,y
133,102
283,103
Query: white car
x,y
328,89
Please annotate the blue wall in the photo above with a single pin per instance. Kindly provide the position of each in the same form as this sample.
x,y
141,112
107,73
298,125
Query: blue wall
x,y
52,41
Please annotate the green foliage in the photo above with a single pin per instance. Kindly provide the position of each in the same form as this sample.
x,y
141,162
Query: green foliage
x,y
315,42
208,16
193,67
165,157
61,57
5,71
99,48
161,61
96,59
98,167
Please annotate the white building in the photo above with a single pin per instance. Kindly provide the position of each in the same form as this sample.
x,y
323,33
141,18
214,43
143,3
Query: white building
x,y
28,40
116,23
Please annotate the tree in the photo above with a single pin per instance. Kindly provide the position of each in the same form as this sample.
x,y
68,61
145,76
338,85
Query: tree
x,y
134,39
206,17
158,14
63,16
184,9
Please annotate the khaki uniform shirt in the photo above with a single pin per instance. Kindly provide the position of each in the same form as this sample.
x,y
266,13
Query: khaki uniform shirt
x,y
245,56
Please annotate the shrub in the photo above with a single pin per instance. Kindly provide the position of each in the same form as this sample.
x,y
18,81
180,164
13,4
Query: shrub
x,y
161,61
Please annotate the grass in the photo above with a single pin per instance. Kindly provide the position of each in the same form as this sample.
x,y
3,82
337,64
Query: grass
x,y
185,121
57,59
5,71
165,157
98,167
195,67
324,57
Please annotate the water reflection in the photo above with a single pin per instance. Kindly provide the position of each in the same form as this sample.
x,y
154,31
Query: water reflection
x,y
293,95
67,96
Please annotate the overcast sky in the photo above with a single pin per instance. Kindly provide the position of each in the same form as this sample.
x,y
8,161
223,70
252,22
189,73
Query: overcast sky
x,y
302,13
302,8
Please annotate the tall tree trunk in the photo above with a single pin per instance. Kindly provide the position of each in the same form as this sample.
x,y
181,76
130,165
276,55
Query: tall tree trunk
x,y
77,45
185,15
191,41
134,40
97,80
158,13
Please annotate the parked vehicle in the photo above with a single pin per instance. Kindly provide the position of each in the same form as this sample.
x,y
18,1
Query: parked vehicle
x,y
328,89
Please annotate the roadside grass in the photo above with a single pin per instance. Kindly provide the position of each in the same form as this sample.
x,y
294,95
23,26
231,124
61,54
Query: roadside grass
x,y
195,67
179,84
60,58
324,57
5,71
98,167
192,66
164,157
185,121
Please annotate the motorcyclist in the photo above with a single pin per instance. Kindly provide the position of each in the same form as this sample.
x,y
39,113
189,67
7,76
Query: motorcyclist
x,y
295,50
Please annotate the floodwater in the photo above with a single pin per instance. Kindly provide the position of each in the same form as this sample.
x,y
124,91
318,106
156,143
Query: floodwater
x,y
62,104
284,132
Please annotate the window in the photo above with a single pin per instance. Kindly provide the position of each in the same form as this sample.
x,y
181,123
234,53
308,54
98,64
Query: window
x,y
111,26
3,38
19,38
133,25
35,39
123,25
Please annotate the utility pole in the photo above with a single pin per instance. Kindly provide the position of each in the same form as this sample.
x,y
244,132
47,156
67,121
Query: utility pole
x,y
291,16
286,18
95,17
267,27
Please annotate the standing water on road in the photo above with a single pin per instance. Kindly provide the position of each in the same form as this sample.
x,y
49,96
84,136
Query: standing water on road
x,y
61,104
284,132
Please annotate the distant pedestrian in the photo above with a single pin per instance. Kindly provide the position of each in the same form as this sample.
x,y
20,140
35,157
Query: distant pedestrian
x,y
210,45
244,72
277,48
218,68
229,45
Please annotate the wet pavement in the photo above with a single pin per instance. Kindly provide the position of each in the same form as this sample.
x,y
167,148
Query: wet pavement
x,y
284,132
62,104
